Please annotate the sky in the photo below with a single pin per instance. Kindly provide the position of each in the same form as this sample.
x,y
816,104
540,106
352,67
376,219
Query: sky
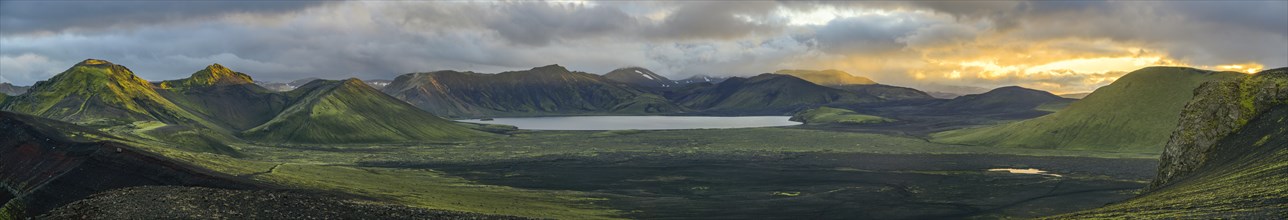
x,y
1058,46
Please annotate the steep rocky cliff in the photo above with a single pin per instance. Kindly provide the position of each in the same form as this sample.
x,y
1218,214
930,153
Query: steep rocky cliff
x,y
1218,109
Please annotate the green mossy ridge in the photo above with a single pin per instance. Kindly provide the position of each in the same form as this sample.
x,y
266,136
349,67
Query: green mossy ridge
x,y
214,74
1134,114
829,115
96,91
350,111
828,77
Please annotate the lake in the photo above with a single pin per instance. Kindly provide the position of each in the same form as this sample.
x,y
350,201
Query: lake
x,y
639,122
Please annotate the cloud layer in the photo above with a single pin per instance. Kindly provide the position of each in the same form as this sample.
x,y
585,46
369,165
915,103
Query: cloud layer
x,y
1059,46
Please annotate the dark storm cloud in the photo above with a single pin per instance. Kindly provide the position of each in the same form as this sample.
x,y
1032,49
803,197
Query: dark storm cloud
x,y
380,39
18,17
867,34
540,24
717,20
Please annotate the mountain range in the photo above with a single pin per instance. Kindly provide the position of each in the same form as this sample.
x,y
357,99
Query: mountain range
x,y
229,103
547,90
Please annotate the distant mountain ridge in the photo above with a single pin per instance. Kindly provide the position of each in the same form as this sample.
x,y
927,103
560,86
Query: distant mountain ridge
x,y
828,77
10,89
701,79
547,90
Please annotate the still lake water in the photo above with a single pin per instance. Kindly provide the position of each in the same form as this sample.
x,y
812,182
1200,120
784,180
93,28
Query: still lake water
x,y
639,122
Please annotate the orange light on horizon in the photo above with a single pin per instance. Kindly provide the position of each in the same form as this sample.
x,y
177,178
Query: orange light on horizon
x,y
1249,68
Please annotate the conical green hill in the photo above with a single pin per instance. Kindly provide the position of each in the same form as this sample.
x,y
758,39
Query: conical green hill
x,y
98,92
214,74
350,111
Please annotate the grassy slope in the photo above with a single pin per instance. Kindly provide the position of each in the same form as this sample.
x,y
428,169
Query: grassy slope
x,y
828,115
1244,179
828,77
1134,114
350,111
765,93
99,92
548,90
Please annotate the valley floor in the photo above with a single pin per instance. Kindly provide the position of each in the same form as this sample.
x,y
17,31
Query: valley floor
x,y
685,174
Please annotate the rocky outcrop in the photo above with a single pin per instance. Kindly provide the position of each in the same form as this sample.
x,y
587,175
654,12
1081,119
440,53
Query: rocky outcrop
x,y
173,202
1218,109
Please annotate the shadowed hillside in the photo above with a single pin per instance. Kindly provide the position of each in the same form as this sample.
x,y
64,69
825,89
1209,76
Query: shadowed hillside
x,y
763,94
44,164
226,97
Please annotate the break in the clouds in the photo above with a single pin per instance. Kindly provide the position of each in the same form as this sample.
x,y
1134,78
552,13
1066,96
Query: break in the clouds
x,y
1061,46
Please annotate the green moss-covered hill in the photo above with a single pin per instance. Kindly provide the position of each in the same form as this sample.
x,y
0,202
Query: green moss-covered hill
x,y
212,75
350,111
828,77
829,115
763,94
1136,113
229,98
547,90
640,77
99,92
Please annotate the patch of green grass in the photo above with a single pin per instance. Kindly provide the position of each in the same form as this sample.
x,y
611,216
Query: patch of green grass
x,y
829,115
432,189
616,133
